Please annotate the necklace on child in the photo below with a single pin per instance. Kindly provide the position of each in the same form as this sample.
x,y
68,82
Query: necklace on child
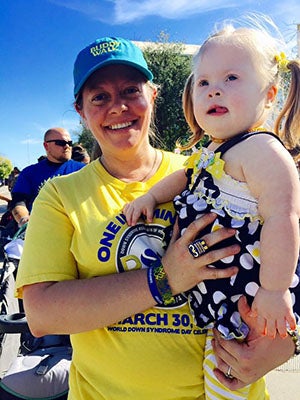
x,y
218,140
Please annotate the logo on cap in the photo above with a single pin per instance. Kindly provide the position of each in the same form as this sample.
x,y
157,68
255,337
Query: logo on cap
x,y
105,47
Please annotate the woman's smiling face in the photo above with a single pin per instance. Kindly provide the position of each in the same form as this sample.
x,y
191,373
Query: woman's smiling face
x,y
117,107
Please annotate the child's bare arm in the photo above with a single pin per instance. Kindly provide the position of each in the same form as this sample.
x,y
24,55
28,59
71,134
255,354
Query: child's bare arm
x,y
273,179
143,205
162,192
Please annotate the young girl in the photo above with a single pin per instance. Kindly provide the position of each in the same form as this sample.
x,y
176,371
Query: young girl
x,y
246,177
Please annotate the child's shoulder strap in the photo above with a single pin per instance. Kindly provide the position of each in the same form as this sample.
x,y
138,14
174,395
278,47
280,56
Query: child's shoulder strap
x,y
239,138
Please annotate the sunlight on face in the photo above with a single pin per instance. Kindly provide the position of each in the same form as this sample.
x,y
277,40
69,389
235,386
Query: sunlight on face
x,y
57,153
117,107
229,93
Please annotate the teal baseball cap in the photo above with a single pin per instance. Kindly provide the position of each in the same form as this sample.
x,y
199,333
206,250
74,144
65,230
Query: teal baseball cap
x,y
107,51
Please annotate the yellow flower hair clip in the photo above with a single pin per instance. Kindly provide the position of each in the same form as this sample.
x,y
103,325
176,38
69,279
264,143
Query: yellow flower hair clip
x,y
282,62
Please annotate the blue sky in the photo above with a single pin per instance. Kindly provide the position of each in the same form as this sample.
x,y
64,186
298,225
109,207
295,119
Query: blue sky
x,y
39,40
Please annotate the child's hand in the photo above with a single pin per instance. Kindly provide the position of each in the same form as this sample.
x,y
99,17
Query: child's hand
x,y
274,312
143,205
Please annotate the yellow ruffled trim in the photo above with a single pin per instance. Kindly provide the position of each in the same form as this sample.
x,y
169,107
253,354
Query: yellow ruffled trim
x,y
205,159
193,160
217,168
227,206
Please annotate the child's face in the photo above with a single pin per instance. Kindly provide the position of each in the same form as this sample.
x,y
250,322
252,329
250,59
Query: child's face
x,y
229,94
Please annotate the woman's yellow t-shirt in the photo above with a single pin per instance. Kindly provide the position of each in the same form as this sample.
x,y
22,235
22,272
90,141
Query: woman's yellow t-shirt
x,y
77,231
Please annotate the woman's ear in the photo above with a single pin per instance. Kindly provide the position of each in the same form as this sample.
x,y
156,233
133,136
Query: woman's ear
x,y
271,96
154,95
79,110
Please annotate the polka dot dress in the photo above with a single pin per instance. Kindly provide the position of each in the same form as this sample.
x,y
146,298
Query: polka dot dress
x,y
214,302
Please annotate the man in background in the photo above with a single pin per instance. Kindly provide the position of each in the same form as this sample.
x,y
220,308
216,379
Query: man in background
x,y
58,147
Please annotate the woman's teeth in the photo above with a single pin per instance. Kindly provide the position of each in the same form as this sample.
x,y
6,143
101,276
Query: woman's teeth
x,y
120,126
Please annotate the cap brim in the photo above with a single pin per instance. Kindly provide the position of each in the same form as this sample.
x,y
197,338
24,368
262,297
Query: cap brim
x,y
144,71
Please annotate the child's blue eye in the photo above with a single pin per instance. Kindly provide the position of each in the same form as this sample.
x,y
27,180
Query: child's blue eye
x,y
203,83
231,78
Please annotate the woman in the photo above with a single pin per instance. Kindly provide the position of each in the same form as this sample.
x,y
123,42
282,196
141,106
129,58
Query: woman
x,y
100,280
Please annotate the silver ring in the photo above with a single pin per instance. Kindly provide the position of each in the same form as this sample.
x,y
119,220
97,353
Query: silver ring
x,y
228,373
198,247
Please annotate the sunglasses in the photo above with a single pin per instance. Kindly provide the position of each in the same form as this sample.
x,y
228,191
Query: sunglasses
x,y
60,142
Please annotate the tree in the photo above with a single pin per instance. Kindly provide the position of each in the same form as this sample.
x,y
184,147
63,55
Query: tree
x,y
170,67
5,168
87,140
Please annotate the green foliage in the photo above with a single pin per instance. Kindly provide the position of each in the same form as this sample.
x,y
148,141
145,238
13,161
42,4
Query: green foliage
x,y
170,67
5,167
86,139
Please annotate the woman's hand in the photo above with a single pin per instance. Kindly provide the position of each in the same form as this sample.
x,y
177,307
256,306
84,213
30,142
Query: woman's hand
x,y
252,359
183,270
